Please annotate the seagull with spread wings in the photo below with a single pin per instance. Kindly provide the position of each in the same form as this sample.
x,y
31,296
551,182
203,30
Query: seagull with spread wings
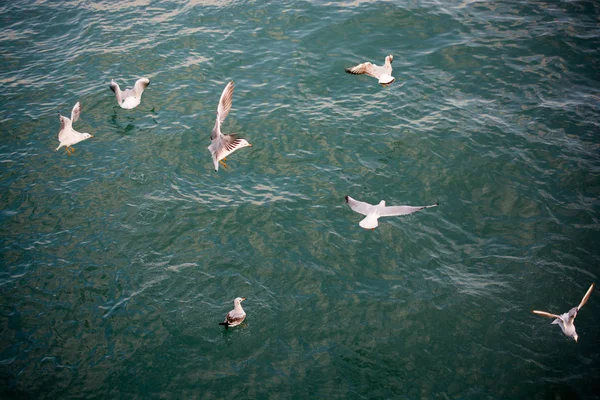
x,y
566,321
223,145
382,74
67,136
373,212
130,98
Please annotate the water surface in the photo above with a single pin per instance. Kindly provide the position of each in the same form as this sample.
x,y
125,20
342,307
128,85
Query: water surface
x,y
119,261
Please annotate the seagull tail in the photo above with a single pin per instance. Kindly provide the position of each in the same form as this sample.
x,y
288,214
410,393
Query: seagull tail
x,y
225,324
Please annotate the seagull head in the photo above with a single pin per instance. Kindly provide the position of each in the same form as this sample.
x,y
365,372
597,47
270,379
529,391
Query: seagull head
x,y
381,203
389,58
244,143
87,135
238,301
575,337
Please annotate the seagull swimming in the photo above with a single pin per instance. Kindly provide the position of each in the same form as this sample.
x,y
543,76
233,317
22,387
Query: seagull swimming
x,y
235,316
67,136
380,210
130,98
566,321
223,145
383,74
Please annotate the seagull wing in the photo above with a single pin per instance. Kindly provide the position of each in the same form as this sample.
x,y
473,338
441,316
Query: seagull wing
x,y
359,206
65,125
572,314
75,112
234,318
365,68
546,314
140,86
401,210
586,297
226,145
223,108
114,86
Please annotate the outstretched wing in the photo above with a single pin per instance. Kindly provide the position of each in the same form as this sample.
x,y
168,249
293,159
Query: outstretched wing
x,y
359,206
75,112
140,85
401,210
546,314
223,108
226,145
586,297
364,68
114,86
65,124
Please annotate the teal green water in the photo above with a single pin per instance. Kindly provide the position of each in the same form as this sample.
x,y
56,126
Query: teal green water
x,y
119,261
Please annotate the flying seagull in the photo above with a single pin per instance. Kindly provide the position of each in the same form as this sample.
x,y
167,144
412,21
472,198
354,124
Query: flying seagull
x,y
566,321
380,210
383,74
67,136
223,145
235,316
129,98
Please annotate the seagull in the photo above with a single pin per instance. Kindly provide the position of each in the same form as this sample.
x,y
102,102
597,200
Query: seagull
x,y
566,321
130,98
235,316
380,210
223,145
383,74
67,136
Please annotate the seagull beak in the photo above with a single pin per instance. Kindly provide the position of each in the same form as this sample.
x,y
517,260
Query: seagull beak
x,y
243,298
250,145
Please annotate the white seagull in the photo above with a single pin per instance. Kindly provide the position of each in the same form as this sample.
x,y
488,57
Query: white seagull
x,y
67,136
223,145
129,98
235,316
566,321
383,74
380,210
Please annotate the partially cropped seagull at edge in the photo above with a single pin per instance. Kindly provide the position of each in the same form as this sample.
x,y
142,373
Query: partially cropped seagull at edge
x,y
235,316
130,98
566,321
373,212
67,136
382,74
223,145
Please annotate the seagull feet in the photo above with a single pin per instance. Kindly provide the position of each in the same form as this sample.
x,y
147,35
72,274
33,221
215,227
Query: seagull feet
x,y
222,163
70,150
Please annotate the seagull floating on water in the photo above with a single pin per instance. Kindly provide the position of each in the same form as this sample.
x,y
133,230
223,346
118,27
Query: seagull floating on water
x,y
67,136
235,316
129,98
373,212
383,74
223,145
566,321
